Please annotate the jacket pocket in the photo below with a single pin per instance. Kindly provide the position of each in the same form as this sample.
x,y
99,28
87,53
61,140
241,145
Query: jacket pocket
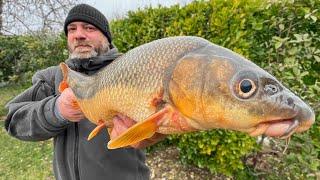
x,y
41,91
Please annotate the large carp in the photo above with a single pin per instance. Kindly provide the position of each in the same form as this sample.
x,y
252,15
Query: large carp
x,y
184,84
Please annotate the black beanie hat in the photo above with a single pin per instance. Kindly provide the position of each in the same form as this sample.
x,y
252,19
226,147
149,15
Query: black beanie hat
x,y
91,15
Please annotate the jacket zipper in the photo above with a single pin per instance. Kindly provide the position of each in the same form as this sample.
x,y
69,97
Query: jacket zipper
x,y
76,152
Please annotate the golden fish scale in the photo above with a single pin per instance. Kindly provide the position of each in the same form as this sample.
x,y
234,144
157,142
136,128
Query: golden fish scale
x,y
130,83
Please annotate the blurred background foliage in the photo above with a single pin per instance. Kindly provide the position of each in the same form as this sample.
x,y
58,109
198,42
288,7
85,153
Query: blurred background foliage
x,y
283,37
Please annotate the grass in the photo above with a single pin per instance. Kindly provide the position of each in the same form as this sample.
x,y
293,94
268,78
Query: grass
x,y
24,160
19,159
6,94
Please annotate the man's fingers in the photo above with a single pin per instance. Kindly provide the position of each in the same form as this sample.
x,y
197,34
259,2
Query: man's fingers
x,y
120,128
79,116
117,121
124,120
67,108
78,113
121,124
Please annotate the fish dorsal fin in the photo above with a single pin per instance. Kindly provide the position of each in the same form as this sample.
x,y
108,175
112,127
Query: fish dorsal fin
x,y
140,131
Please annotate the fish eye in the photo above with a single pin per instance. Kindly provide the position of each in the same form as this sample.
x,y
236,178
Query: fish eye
x,y
246,88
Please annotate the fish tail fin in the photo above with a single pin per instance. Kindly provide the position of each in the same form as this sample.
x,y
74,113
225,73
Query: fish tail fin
x,y
65,70
78,82
64,85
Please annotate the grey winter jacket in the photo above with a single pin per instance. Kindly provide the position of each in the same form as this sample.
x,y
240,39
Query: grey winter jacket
x,y
32,117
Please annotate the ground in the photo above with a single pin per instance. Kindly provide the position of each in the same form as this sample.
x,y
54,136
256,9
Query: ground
x,y
164,164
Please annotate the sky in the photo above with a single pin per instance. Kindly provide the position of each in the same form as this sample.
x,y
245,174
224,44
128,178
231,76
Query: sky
x,y
112,9
118,8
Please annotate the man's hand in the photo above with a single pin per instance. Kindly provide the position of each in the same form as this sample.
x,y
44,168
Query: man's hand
x,y
67,107
122,123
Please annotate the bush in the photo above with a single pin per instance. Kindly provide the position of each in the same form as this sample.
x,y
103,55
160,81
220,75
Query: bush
x,y
288,46
281,36
219,151
21,56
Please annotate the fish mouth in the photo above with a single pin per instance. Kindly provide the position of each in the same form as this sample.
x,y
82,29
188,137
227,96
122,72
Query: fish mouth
x,y
281,128
300,120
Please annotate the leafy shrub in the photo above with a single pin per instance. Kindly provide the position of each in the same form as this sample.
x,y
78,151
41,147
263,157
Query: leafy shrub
x,y
219,151
21,56
9,56
288,46
281,36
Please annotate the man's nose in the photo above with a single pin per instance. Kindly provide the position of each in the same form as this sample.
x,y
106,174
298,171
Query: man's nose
x,y
80,34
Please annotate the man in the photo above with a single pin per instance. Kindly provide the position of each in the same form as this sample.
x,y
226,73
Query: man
x,y
41,112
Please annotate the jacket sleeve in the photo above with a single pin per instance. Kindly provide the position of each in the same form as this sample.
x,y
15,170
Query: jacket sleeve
x,y
32,115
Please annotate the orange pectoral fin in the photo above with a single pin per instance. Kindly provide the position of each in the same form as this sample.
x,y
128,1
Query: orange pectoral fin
x,y
140,131
96,130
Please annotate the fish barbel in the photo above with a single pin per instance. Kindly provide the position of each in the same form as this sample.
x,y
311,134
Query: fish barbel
x,y
184,84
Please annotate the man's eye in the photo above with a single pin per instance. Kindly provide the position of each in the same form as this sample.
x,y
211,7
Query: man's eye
x,y
71,29
90,28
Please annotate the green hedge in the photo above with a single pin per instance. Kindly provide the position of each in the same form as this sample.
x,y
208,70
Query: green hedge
x,y
282,37
288,46
21,56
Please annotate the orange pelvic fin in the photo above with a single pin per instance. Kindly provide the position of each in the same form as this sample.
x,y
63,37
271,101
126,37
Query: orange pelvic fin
x,y
109,130
96,130
140,131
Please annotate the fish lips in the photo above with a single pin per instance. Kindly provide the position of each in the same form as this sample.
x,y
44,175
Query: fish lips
x,y
284,128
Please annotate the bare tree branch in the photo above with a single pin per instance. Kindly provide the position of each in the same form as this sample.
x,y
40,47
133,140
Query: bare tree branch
x,y
1,7
30,16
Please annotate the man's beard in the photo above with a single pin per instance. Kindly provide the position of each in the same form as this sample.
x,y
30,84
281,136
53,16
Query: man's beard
x,y
96,51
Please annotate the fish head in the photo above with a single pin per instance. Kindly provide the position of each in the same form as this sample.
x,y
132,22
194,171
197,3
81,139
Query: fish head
x,y
230,92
